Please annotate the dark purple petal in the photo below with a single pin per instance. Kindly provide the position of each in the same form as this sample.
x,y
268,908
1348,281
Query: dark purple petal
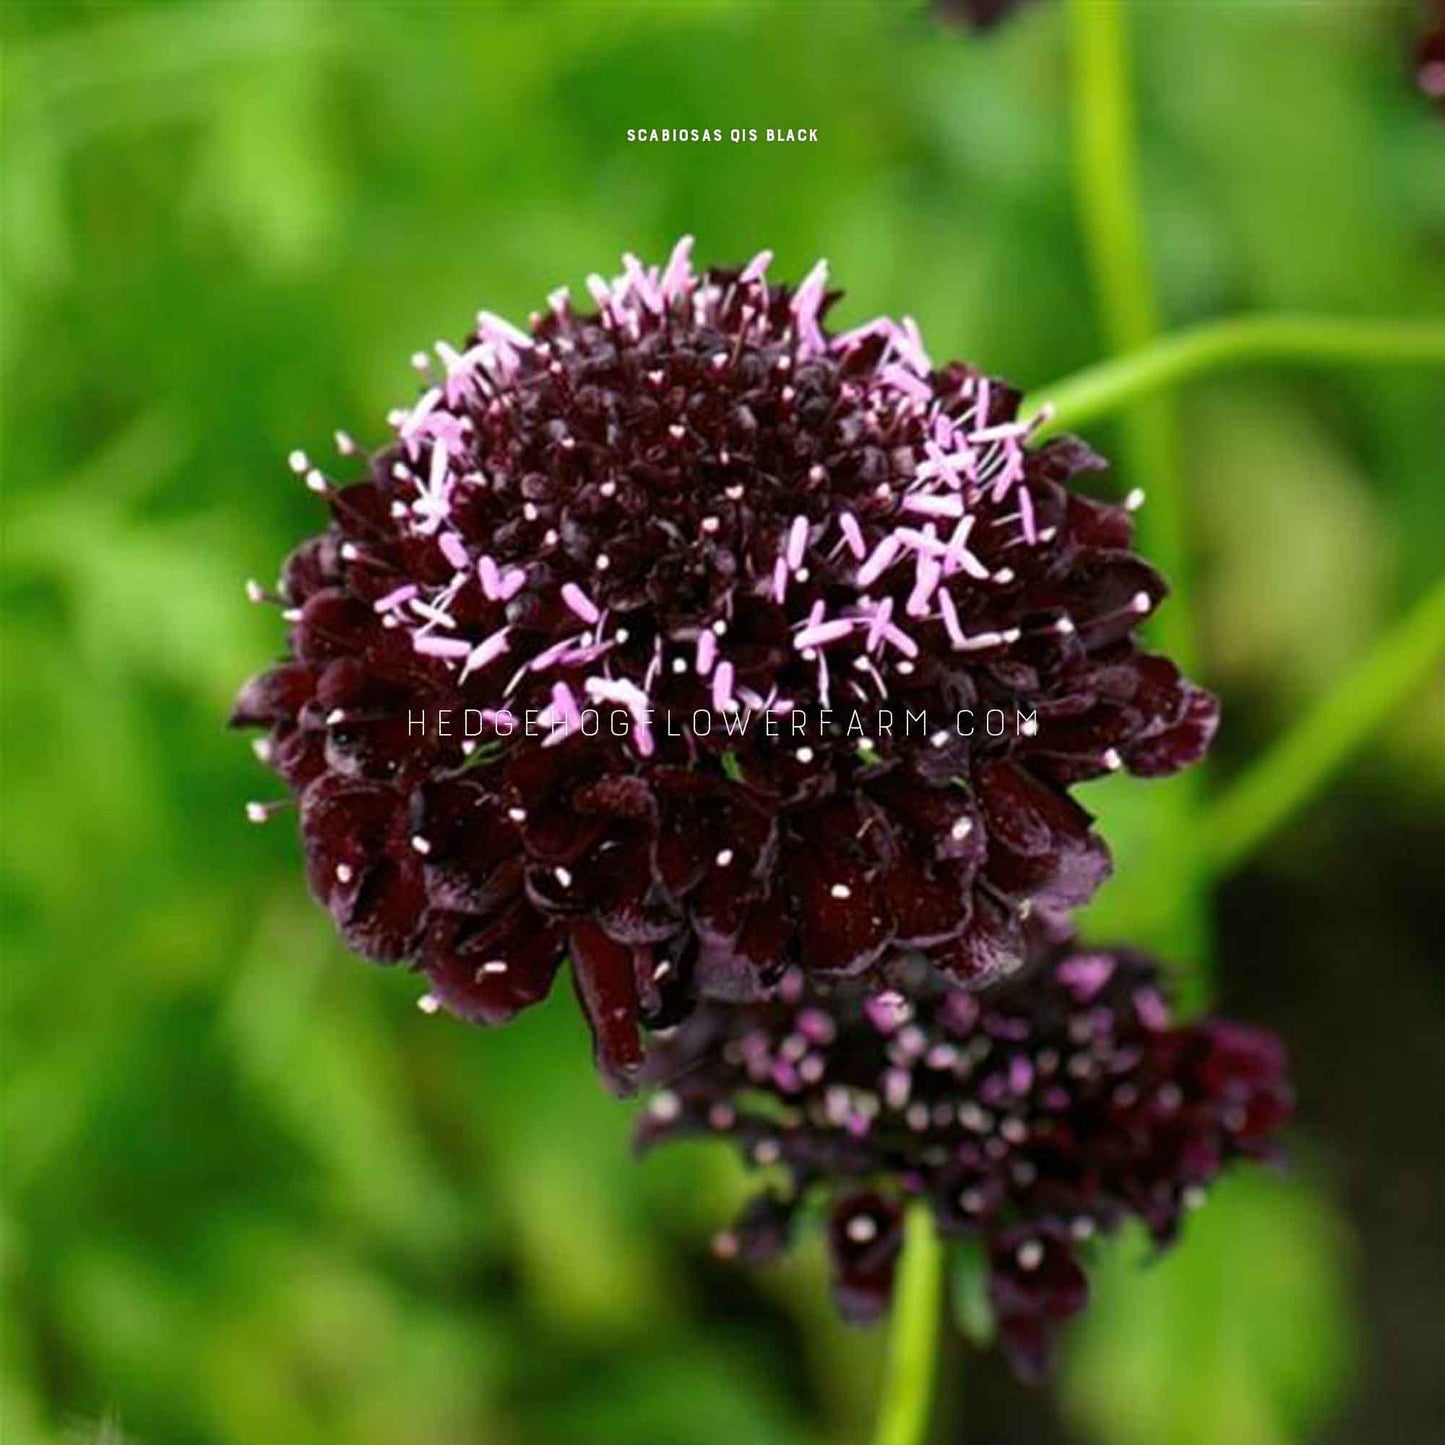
x,y
274,696
1179,746
1035,1284
487,972
605,980
865,1238
360,867
762,1232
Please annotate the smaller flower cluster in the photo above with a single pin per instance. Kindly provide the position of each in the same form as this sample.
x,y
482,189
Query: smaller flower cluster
x,y
1031,1118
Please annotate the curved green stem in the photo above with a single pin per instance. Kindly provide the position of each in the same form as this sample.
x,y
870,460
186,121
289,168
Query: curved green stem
x,y
1106,173
913,1344
1297,766
1111,216
1100,390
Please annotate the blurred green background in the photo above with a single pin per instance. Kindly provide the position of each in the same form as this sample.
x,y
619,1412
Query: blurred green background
x,y
251,1193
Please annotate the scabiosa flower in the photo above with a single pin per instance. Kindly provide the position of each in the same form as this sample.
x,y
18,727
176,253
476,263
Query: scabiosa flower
x,y
1029,1118
648,640
1430,59
976,14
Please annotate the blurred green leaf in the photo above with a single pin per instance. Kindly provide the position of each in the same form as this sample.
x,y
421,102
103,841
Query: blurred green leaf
x,y
968,1293
1241,1333
684,1397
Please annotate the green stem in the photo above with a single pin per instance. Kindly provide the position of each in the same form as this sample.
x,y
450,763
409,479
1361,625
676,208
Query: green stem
x,y
1297,766
1111,219
1097,391
1106,171
913,1344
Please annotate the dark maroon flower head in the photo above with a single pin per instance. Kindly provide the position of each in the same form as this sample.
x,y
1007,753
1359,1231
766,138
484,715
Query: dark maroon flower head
x,y
976,14
1430,59
1029,1118
692,641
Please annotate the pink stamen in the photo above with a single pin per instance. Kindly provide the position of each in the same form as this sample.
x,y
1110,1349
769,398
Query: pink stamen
x,y
1011,469
780,579
980,642
756,269
436,615
879,326
580,602
1026,516
958,556
881,615
600,292
440,646
490,576
928,576
461,380
485,652
637,704
821,633
722,686
643,284
950,619
879,562
805,306
901,379
928,505
610,689
420,411
1002,431
564,706
900,639
797,542
396,598
925,541
1151,1008
908,342
553,654
952,468
679,269
497,328
1085,974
